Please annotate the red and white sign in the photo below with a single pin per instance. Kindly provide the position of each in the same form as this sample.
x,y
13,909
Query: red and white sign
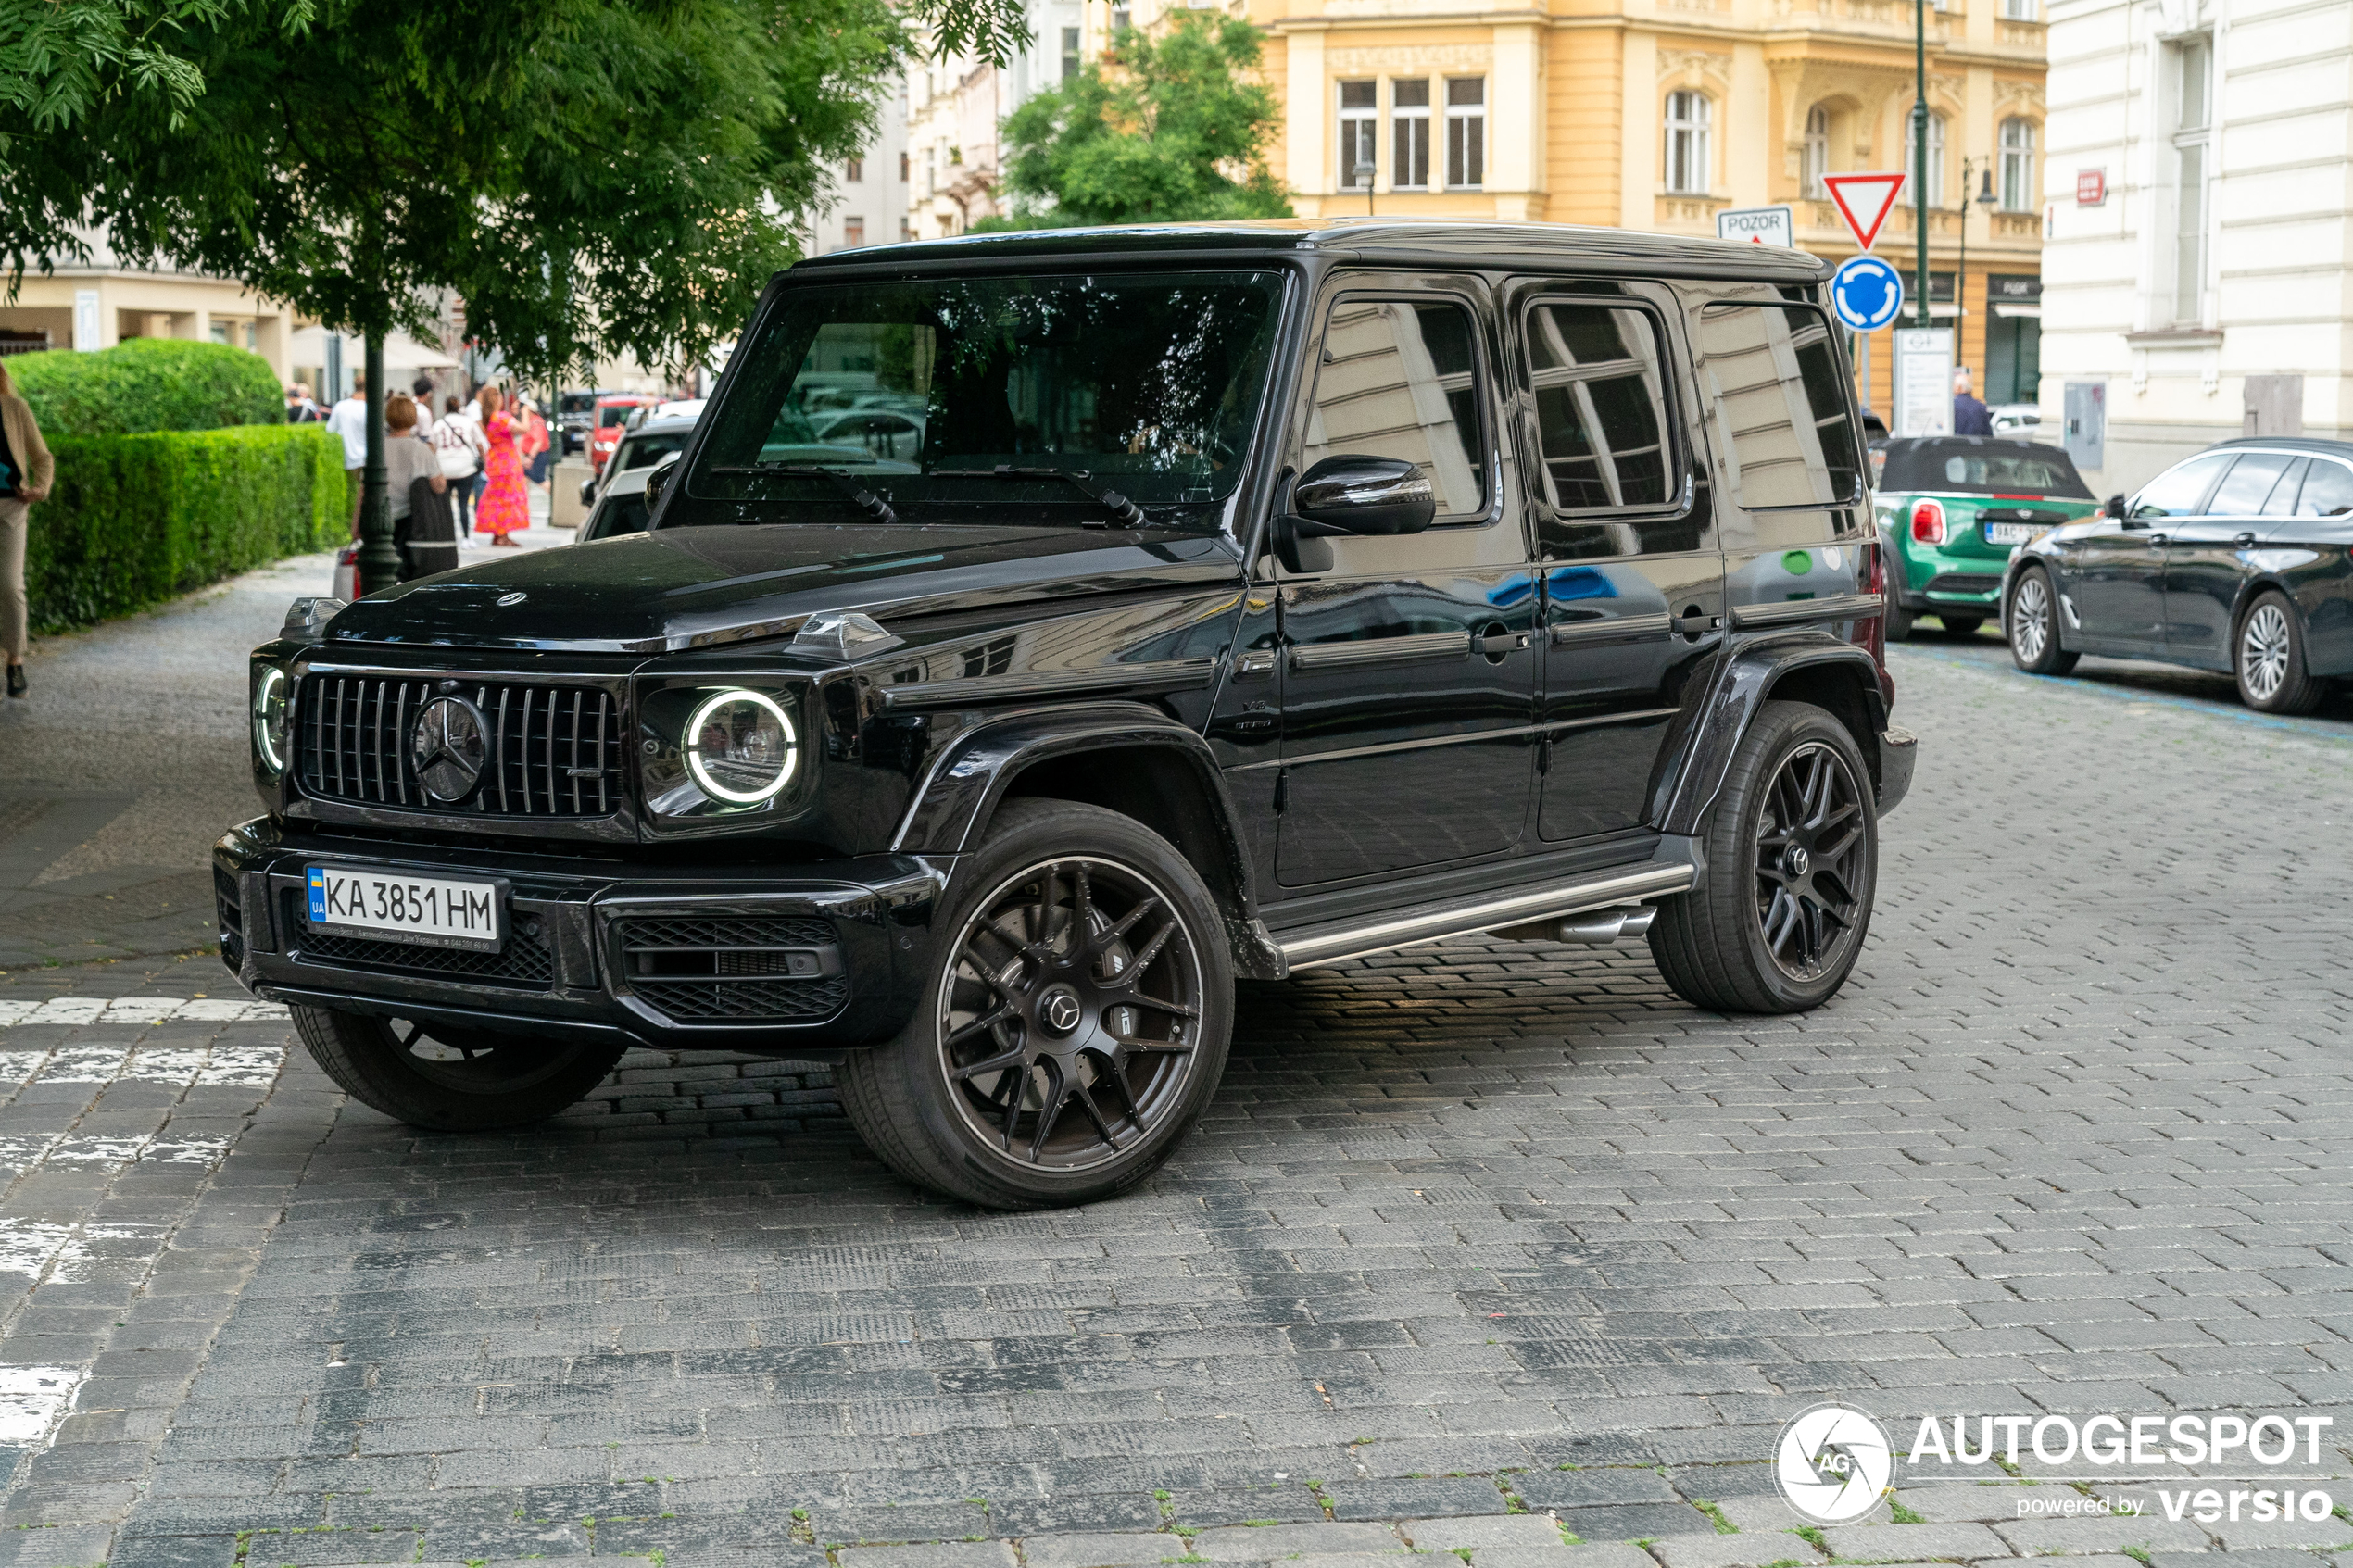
x,y
2091,187
1864,200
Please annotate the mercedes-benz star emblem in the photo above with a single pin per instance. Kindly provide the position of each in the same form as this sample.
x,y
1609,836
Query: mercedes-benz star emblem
x,y
449,748
514,598
1061,1011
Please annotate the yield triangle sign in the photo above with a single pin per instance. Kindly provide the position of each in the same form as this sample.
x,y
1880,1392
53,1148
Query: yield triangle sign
x,y
1864,200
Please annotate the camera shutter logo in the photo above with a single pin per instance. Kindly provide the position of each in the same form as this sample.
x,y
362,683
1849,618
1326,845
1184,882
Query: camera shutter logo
x,y
1833,1464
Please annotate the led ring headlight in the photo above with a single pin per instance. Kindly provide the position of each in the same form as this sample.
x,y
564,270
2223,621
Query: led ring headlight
x,y
270,719
740,747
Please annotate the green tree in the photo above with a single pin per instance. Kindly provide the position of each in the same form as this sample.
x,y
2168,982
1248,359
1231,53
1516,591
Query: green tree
x,y
1162,128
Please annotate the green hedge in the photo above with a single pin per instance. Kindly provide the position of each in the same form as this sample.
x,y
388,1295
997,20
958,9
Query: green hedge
x,y
148,384
135,519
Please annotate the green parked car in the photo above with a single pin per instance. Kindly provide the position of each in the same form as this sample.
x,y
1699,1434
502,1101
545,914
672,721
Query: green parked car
x,y
1951,509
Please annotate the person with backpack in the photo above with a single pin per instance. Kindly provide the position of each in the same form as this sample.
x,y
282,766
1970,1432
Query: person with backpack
x,y
457,439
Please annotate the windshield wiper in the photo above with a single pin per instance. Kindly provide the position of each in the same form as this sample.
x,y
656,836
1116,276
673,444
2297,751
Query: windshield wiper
x,y
1079,480
874,506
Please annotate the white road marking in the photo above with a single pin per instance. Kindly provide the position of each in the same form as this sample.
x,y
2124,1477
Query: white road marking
x,y
34,1399
138,1010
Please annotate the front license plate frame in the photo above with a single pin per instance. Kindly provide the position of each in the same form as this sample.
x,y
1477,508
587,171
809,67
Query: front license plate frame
x,y
2013,532
328,906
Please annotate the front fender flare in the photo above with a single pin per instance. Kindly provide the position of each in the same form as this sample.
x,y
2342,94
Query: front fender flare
x,y
1747,673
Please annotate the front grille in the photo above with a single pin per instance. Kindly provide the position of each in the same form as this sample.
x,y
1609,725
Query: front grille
x,y
748,1001
523,962
554,751
734,968
1963,583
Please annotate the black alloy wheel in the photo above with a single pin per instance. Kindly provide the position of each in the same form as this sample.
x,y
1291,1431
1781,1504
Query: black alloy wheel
x,y
450,1079
1074,1024
1810,838
2029,619
1792,861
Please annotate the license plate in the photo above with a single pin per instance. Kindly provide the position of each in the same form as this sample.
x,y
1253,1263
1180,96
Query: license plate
x,y
425,911
2011,532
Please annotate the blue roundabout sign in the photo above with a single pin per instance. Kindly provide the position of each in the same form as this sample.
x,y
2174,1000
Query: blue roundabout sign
x,y
1867,292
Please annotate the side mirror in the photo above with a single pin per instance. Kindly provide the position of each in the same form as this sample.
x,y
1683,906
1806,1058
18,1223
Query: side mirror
x,y
587,492
1371,495
2113,507
658,481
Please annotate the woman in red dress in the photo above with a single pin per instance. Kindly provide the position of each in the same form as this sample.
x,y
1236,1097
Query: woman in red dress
x,y
505,507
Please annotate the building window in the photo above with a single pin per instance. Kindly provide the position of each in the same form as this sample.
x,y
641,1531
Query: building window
x,y
1122,19
1356,112
1935,161
1466,132
902,167
853,233
2193,140
931,172
1687,118
855,171
1409,135
1070,53
2022,10
1817,156
2018,165
906,228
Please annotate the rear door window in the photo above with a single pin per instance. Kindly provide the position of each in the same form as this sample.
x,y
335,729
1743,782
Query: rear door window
x,y
1777,403
1400,379
1605,429
2251,481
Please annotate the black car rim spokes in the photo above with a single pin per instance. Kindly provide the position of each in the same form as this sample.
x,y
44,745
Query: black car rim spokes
x,y
1069,1015
1811,843
469,1063
2264,648
2031,619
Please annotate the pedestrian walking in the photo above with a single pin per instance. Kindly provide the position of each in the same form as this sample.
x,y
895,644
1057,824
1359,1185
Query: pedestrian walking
x,y
410,459
348,419
458,440
26,471
505,507
1970,416
420,390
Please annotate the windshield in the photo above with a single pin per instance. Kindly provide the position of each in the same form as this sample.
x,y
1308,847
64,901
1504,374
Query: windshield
x,y
1970,469
644,451
1147,384
611,414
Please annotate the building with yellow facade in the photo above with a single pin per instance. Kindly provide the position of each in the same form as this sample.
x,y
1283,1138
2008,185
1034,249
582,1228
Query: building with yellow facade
x,y
1658,114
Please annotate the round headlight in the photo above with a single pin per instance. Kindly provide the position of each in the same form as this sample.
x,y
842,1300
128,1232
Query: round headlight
x,y
740,747
270,719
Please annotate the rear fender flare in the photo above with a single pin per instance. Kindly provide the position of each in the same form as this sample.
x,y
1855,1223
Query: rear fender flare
x,y
1743,682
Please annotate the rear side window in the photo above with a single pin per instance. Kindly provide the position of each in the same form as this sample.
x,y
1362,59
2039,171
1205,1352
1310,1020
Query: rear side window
x,y
1400,379
2250,482
2181,491
1778,403
1598,374
2328,490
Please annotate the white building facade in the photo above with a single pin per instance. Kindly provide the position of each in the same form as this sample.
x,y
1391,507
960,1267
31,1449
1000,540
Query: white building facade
x,y
956,111
2197,262
868,205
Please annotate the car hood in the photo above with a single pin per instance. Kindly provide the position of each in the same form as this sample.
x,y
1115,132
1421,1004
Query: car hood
x,y
702,587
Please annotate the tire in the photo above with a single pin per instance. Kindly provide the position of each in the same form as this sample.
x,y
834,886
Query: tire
x,y
958,1102
2268,658
2030,622
451,1080
1796,764
1899,621
1962,625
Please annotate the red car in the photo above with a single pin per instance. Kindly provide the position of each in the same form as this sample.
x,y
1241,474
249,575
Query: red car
x,y
604,433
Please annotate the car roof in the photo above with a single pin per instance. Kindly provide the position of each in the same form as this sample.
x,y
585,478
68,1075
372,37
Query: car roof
x,y
1909,442
2287,443
1420,242
663,427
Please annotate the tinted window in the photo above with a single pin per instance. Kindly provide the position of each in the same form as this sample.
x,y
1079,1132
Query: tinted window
x,y
2251,480
1978,468
2181,491
1777,392
645,451
614,413
1400,380
1602,418
619,515
1148,382
2282,500
2328,490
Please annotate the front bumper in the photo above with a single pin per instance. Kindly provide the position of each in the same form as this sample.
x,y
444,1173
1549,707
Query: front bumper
x,y
1898,750
815,959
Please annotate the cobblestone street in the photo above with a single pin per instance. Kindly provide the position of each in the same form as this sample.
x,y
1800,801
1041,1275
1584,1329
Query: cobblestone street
x,y
1489,1248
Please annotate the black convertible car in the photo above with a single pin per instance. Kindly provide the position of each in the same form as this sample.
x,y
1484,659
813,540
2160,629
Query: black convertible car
x,y
2237,560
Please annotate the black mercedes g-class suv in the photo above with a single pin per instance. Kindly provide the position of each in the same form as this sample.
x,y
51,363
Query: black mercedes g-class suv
x,y
1256,597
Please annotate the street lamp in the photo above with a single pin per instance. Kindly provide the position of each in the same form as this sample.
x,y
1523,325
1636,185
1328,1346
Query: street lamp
x,y
1961,267
1364,174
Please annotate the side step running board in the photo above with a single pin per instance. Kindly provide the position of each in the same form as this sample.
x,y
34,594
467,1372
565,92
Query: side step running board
x,y
1431,923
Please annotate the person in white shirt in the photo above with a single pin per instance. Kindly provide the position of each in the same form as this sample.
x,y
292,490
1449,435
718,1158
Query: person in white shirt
x,y
348,419
457,436
420,390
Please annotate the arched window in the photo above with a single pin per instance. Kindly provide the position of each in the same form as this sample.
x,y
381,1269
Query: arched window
x,y
1687,120
1816,161
2018,165
1935,161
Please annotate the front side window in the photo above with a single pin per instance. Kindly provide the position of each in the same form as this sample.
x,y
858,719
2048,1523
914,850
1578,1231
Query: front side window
x,y
1357,109
1142,382
1466,132
1409,135
1400,379
1818,152
1601,420
1777,394
2018,165
2181,491
1688,115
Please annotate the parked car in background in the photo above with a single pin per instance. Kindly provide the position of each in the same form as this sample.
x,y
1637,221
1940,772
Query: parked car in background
x,y
880,432
611,418
639,448
2239,559
1952,508
2021,419
619,509
576,413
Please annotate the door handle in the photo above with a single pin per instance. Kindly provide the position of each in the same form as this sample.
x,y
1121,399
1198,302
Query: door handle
x,y
2243,541
2157,541
1693,623
1495,644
